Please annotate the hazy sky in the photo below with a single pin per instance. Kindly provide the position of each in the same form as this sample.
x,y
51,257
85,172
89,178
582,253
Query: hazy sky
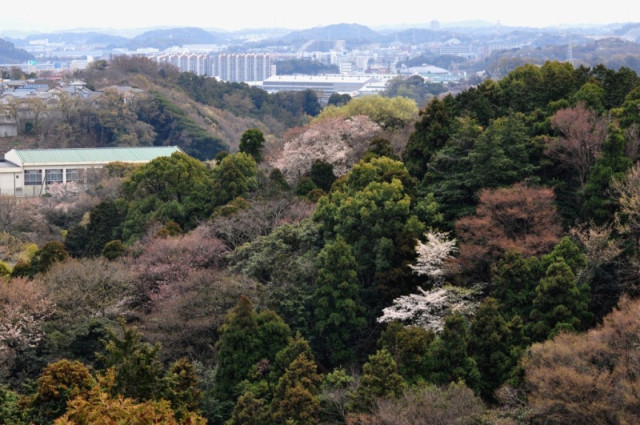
x,y
41,15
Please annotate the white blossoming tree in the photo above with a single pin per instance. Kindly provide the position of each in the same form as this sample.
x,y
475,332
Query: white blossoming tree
x,y
432,256
429,308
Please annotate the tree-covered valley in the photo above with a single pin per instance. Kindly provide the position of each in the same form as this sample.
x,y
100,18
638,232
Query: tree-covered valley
x,y
474,261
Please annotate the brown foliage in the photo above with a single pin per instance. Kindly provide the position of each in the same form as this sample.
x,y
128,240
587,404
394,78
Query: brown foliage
x,y
88,288
455,404
167,261
583,132
517,218
590,378
186,322
259,218
24,308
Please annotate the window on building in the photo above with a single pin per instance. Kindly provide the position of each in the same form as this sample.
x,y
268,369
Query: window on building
x,y
53,176
75,174
32,177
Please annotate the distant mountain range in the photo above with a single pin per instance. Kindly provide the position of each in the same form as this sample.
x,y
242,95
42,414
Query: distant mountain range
x,y
354,35
9,53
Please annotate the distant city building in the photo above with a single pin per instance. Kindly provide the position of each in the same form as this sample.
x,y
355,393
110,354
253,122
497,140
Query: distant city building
x,y
433,74
198,63
323,85
487,49
242,67
455,47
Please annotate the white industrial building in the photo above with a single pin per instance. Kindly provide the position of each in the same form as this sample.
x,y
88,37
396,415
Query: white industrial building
x,y
323,85
28,172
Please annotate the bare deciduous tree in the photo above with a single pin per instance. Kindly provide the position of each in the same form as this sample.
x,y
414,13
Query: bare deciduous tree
x,y
583,133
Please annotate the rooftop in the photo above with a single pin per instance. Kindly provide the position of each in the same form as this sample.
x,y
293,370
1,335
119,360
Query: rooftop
x,y
90,155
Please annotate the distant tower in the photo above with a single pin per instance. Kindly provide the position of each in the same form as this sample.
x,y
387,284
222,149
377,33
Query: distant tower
x,y
435,25
570,53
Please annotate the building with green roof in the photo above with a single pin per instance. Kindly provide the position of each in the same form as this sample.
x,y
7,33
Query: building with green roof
x,y
28,172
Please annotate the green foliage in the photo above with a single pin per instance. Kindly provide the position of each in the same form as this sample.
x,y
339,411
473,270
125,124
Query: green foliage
x,y
380,146
10,410
491,345
305,186
50,253
5,269
522,89
306,67
321,174
113,249
59,383
414,87
246,338
288,108
338,313
431,133
561,303
500,155
295,398
592,95
100,403
234,176
449,357
612,164
447,178
371,209
168,178
380,378
277,179
628,112
409,347
514,279
286,261
337,99
390,113
137,368
252,143
173,126
181,388
104,225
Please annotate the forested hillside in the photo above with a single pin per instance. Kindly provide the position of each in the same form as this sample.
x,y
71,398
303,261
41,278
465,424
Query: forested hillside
x,y
473,262
141,103
9,53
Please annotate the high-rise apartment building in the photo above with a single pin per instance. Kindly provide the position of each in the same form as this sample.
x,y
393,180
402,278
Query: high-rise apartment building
x,y
241,67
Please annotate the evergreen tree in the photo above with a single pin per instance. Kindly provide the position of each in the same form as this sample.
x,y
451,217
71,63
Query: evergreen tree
x,y
52,252
490,347
500,156
380,378
247,338
252,143
321,174
295,399
237,349
431,133
181,388
560,303
337,309
59,383
137,368
449,359
612,164
514,279
409,346
104,221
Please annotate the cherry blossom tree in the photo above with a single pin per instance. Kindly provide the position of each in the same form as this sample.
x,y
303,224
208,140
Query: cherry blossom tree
x,y
339,141
433,255
429,308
